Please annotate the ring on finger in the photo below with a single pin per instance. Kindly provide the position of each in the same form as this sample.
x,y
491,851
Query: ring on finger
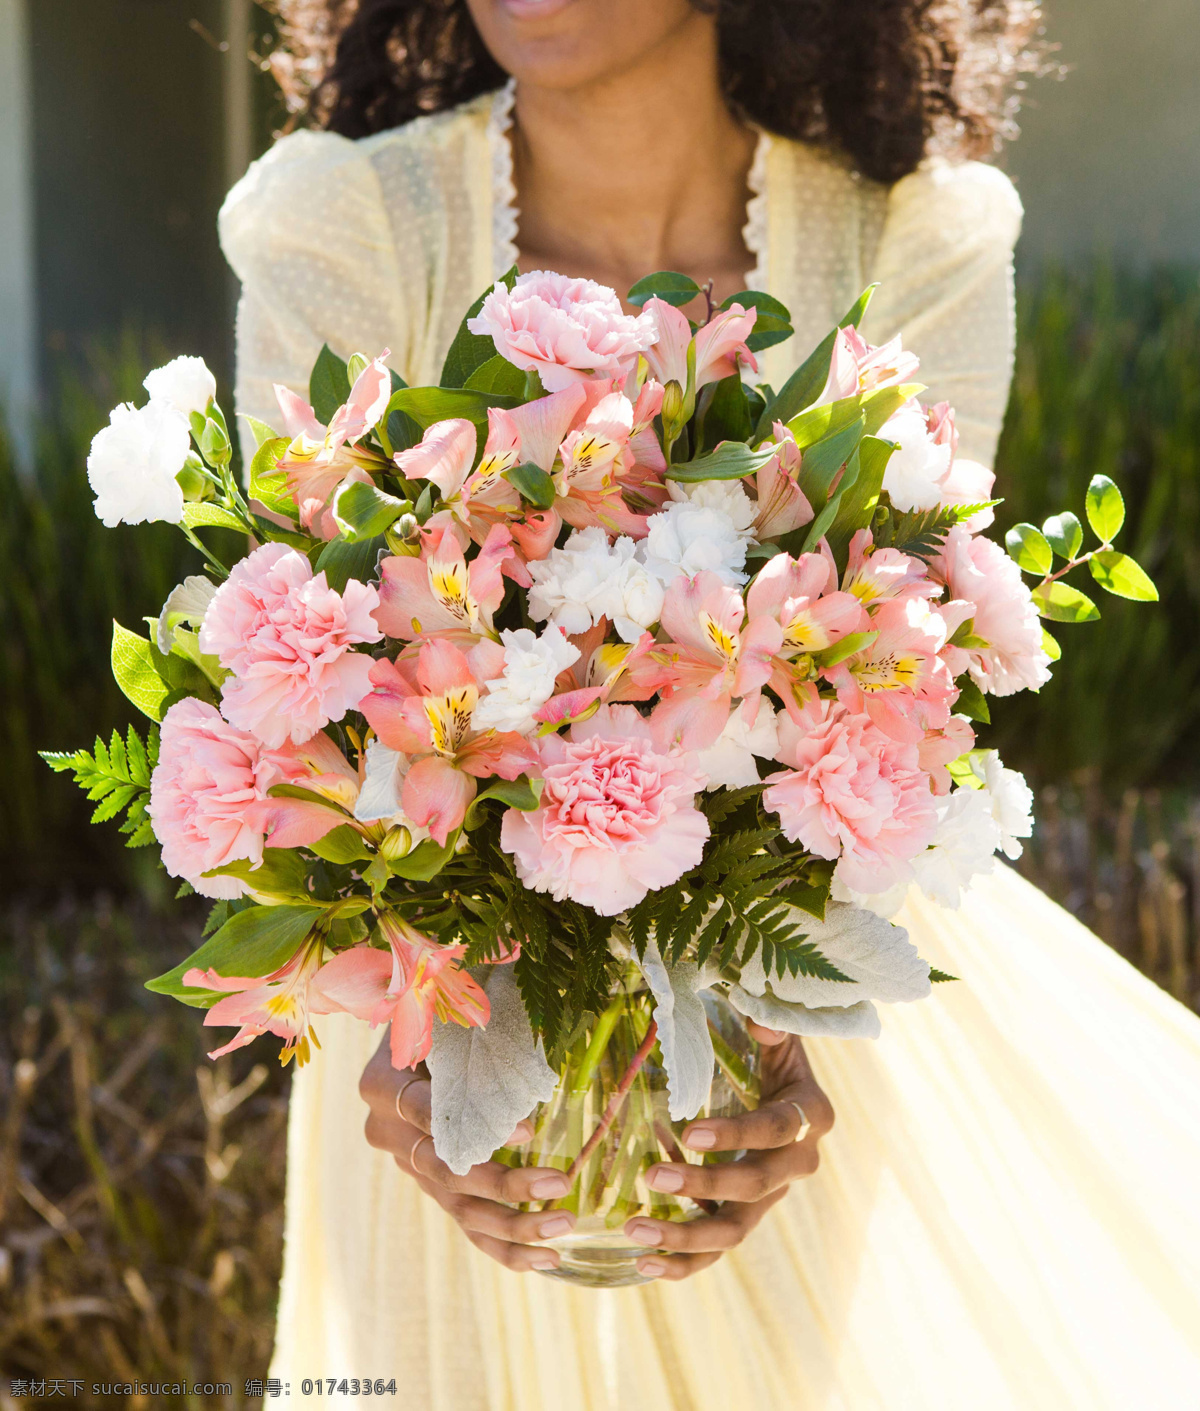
x,y
401,1090
805,1124
412,1155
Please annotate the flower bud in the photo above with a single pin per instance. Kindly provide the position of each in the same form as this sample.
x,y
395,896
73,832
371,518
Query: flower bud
x,y
397,843
672,404
357,365
192,480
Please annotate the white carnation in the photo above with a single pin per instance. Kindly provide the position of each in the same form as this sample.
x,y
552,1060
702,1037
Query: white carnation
x,y
727,496
1010,799
587,579
687,537
531,664
729,761
133,464
185,383
917,468
379,797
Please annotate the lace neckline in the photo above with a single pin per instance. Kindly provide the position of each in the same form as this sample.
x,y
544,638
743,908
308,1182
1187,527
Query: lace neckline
x,y
506,215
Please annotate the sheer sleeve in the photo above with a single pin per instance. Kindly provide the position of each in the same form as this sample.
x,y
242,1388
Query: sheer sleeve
x,y
944,265
307,233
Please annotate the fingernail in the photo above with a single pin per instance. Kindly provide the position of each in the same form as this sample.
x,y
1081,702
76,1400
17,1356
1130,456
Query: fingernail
x,y
543,1264
664,1178
557,1225
521,1134
652,1268
703,1139
644,1231
549,1187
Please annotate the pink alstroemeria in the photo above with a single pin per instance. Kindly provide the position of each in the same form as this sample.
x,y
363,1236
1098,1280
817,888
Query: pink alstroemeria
x,y
423,709
875,575
279,1003
439,592
720,349
407,986
321,459
714,657
801,595
858,366
781,505
899,672
598,677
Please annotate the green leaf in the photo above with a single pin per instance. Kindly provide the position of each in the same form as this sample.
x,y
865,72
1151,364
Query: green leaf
x,y
499,376
1062,603
364,511
471,350
666,284
535,486
857,501
425,861
876,407
253,942
773,324
269,486
329,385
343,845
1064,534
1050,646
134,671
340,560
282,875
1105,508
971,701
724,413
940,977
199,514
523,793
730,461
824,521
261,432
1119,574
853,642
822,461
1027,546
429,404
805,384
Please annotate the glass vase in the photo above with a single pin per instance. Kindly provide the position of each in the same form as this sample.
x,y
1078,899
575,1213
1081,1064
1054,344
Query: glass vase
x,y
608,1124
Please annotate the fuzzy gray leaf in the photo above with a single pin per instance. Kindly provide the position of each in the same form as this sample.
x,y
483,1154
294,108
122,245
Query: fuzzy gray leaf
x,y
682,1032
851,1021
875,954
484,1081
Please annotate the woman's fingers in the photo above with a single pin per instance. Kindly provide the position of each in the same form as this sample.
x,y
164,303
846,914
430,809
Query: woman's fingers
x,y
520,1258
485,1217
713,1235
674,1266
750,1179
774,1124
490,1180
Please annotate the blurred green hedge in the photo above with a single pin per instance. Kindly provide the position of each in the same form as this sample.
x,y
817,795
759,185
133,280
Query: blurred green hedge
x,y
1107,380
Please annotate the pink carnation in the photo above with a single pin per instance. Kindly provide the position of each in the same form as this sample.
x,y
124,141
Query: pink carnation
x,y
617,817
209,802
287,638
203,796
566,330
852,792
986,585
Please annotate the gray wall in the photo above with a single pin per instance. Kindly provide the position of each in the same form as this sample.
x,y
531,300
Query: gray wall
x,y
1109,158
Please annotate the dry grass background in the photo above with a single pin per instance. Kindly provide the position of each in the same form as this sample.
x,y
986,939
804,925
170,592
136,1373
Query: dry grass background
x,y
141,1186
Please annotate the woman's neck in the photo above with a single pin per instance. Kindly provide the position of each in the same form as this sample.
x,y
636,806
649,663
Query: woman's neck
x,y
644,171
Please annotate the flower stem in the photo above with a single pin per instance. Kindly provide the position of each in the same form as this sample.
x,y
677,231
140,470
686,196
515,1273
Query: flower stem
x,y
615,1102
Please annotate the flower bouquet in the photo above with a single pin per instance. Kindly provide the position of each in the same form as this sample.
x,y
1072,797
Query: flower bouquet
x,y
568,714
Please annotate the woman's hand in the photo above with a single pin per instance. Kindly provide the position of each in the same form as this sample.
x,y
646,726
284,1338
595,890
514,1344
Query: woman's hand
x,y
402,1128
749,1187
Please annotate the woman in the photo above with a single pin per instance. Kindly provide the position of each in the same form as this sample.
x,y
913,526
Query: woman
x,y
999,1220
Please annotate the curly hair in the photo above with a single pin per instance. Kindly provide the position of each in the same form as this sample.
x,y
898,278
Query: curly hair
x,y
883,81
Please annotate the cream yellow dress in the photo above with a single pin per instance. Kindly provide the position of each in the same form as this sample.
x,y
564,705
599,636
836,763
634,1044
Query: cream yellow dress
x,y
1007,1214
